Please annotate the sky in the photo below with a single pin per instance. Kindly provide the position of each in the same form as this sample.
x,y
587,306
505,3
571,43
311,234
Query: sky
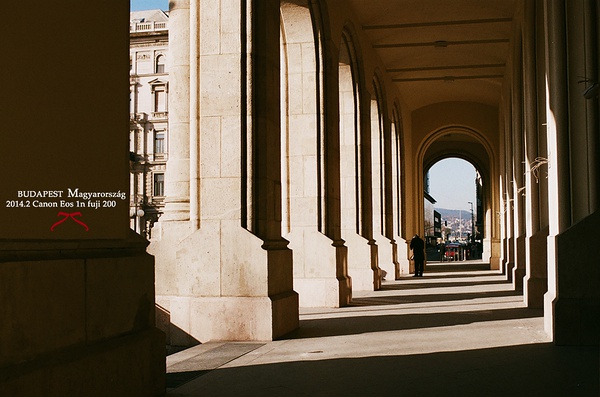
x,y
140,5
452,184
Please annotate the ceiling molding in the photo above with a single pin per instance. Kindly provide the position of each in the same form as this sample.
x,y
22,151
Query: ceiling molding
x,y
448,78
448,67
441,44
437,23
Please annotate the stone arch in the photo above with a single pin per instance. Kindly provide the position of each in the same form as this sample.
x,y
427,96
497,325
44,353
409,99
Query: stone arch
x,y
471,145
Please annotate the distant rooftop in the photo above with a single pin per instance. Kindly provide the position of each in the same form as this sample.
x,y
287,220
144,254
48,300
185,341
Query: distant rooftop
x,y
148,21
149,16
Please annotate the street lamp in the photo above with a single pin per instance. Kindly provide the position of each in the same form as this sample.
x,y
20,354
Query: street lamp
x,y
472,223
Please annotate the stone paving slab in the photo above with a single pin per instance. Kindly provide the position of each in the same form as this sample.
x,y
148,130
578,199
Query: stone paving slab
x,y
213,356
199,360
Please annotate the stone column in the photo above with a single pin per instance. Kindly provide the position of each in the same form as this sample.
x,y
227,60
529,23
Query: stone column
x,y
398,201
354,122
592,66
388,197
573,288
177,176
365,185
559,205
500,216
508,194
535,282
516,155
232,278
320,273
378,191
331,142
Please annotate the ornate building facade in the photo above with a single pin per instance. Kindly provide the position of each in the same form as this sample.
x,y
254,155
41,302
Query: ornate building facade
x,y
148,109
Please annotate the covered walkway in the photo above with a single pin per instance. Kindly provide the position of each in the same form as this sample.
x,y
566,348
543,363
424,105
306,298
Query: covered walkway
x,y
299,136
459,330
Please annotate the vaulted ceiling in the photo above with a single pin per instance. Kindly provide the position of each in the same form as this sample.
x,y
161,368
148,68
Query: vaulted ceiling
x,y
440,50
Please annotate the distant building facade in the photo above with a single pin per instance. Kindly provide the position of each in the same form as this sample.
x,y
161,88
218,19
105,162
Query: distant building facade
x,y
148,109
429,218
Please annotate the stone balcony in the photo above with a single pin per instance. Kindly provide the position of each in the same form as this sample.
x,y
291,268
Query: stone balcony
x,y
148,27
160,115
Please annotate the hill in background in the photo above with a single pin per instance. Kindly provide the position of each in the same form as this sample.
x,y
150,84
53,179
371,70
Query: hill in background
x,y
446,213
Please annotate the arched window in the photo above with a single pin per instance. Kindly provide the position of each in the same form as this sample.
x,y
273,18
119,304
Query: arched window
x,y
160,64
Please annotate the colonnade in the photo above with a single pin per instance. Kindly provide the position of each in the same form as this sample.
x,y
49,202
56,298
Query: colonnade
x,y
549,175
297,171
284,191
277,193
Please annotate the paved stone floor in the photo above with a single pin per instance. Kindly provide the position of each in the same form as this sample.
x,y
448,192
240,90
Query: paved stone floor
x,y
460,330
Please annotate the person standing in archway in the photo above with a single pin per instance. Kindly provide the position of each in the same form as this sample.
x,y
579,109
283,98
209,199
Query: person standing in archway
x,y
417,245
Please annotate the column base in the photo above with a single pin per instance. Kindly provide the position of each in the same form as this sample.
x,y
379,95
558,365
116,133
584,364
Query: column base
x,y
576,322
518,273
385,251
132,365
233,318
320,269
224,283
176,209
405,267
79,316
491,253
577,304
536,280
535,288
362,263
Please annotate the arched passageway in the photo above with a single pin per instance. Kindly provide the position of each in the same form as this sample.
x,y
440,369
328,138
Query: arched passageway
x,y
343,109
513,77
471,146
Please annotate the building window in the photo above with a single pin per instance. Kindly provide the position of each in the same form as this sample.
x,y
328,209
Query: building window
x,y
160,64
159,184
160,99
159,142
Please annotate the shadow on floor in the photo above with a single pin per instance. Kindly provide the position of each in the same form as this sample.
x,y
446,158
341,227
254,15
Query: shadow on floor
x,y
463,266
353,325
527,370
417,283
423,298
536,369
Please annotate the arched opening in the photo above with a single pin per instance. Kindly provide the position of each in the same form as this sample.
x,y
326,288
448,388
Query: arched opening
x,y
160,65
453,212
470,145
